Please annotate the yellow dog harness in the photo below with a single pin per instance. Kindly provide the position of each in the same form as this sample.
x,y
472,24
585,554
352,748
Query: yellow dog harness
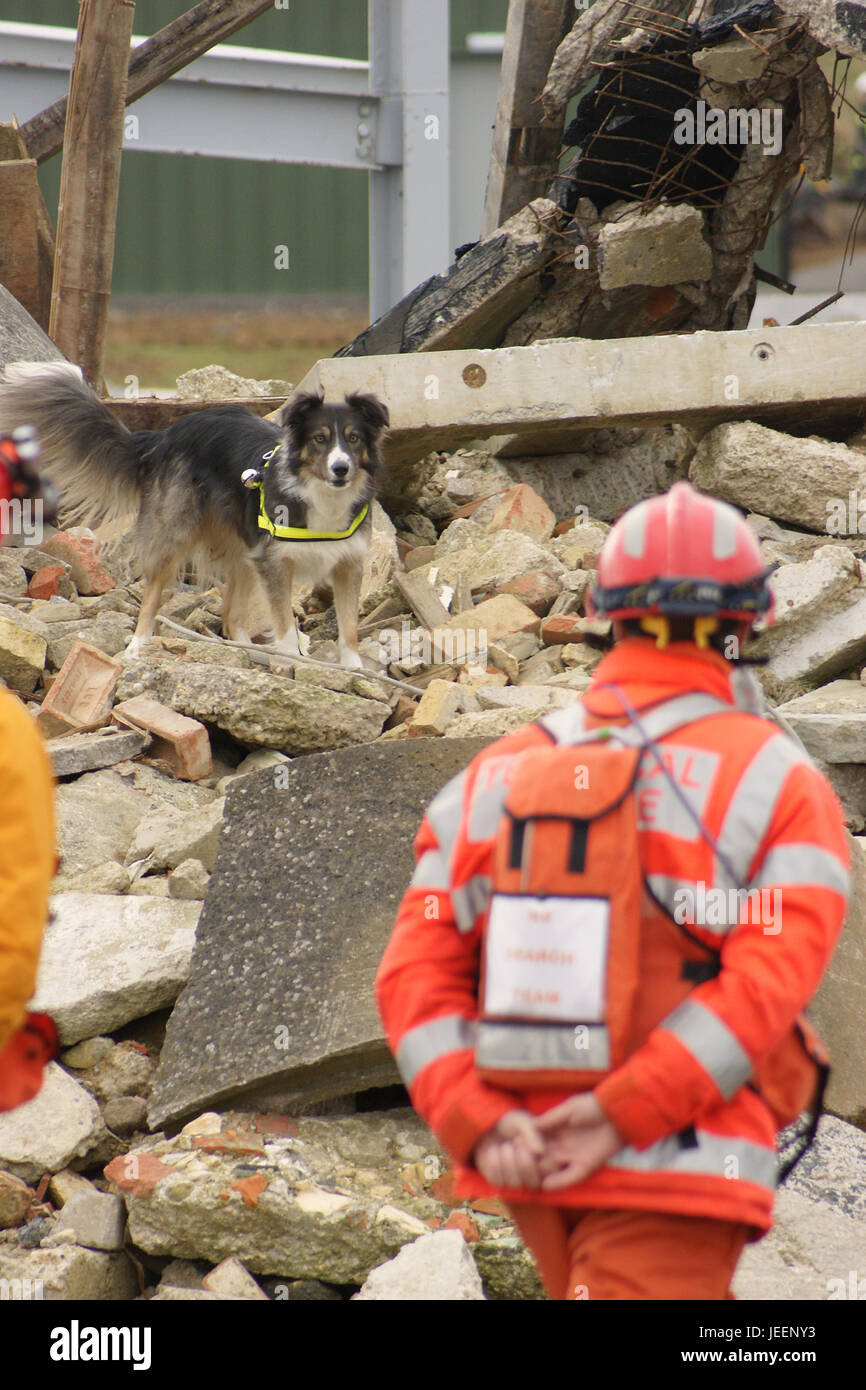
x,y
299,533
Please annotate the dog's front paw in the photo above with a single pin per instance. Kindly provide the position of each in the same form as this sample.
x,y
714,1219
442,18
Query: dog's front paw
x,y
351,659
304,643
135,647
289,644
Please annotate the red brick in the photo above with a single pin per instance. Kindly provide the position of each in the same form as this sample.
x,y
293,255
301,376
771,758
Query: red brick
x,y
251,1188
80,696
228,1143
45,583
470,508
275,1124
80,554
180,742
489,1206
521,509
462,1221
443,1189
565,627
420,555
136,1173
536,589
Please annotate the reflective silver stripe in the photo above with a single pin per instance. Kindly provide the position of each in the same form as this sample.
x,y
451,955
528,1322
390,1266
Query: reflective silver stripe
x,y
751,808
488,797
802,863
428,1041
712,1044
714,1156
543,1046
444,814
658,805
567,725
469,899
431,871
674,893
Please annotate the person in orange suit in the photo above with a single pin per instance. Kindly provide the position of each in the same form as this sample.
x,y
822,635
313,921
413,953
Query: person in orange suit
x,y
27,848
640,1168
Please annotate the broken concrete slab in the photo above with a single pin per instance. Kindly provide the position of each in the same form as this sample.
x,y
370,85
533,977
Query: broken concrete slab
x,y
165,837
785,372
488,561
106,960
805,481
230,1279
835,24
820,623
257,708
437,1267
831,721
89,752
21,338
57,1129
68,1273
664,245
22,655
837,1009
280,997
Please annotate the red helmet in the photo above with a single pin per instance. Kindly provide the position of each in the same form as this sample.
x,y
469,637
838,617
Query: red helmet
x,y
681,555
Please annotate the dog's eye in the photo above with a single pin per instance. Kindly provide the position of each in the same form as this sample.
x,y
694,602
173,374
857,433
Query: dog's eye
x,y
321,437
351,437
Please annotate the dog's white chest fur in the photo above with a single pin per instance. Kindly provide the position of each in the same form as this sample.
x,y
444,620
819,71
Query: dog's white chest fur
x,y
328,509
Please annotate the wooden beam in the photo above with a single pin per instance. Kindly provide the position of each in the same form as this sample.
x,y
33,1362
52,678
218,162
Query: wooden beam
x,y
89,182
526,143
171,48
155,413
440,400
12,147
19,239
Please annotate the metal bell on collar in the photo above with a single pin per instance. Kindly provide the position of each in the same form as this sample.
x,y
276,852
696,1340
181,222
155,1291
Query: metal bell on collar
x,y
251,477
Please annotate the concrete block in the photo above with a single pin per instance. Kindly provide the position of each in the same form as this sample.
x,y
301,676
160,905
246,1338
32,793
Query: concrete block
x,y
22,656
96,1219
665,246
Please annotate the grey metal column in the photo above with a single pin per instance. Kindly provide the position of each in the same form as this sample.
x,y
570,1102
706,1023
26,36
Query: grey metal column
x,y
410,205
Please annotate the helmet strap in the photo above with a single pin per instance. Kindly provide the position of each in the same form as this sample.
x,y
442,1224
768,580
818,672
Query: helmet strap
x,y
659,628
703,629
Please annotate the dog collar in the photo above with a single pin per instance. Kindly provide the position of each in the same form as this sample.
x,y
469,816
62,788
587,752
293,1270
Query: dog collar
x,y
301,533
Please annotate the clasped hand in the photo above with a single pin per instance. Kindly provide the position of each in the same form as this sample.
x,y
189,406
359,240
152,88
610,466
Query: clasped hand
x,y
549,1151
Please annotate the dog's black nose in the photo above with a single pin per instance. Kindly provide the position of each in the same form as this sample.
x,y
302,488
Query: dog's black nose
x,y
340,470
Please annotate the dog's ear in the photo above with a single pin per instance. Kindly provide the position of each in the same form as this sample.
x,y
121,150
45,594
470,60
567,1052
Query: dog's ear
x,y
294,410
374,412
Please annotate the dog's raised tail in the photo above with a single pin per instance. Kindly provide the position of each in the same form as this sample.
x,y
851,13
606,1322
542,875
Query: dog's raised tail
x,y
87,453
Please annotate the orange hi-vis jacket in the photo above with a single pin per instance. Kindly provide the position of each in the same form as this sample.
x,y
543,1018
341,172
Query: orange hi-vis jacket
x,y
27,866
699,1135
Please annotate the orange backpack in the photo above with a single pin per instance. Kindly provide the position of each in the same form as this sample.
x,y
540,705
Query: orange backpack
x,y
559,971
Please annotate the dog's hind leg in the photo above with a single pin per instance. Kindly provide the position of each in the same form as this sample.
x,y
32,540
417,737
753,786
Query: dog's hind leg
x,y
239,583
156,580
346,583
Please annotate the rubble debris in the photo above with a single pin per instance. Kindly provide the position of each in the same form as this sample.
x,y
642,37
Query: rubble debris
x,y
59,1128
837,1008
807,482
218,383
258,709
89,752
820,623
70,1273
230,1279
95,1219
106,960
437,1267
81,694
22,653
280,998
79,549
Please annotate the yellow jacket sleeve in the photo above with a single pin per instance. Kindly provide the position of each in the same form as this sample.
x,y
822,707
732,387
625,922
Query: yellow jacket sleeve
x,y
27,858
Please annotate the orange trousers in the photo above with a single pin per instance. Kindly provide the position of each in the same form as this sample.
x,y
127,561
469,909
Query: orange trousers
x,y
630,1254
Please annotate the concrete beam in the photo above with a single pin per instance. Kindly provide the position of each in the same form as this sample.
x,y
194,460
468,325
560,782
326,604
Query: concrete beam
x,y
444,399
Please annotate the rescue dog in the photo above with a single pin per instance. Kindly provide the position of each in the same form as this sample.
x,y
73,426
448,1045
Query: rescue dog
x,y
302,510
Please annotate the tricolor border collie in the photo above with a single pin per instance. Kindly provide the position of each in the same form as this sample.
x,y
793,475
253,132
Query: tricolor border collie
x,y
245,496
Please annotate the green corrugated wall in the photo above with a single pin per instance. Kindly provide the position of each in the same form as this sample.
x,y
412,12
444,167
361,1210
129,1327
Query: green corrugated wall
x,y
191,225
